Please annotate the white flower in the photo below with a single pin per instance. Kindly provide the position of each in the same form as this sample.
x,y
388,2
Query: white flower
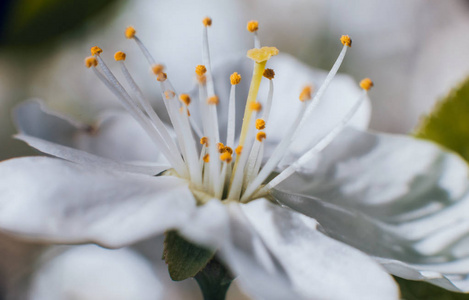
x,y
375,192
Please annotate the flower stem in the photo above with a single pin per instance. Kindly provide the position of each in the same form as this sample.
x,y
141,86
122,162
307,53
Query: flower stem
x,y
214,280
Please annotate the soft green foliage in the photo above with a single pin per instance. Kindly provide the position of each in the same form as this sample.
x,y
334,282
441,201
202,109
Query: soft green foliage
x,y
417,290
27,22
448,123
183,258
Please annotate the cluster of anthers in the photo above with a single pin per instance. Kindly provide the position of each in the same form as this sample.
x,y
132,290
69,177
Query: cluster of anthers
x,y
230,171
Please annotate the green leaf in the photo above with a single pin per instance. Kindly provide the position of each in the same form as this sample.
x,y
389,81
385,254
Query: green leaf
x,y
26,22
183,258
417,290
448,123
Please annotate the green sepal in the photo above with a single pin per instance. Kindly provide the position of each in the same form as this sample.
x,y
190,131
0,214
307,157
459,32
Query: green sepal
x,y
448,123
183,258
417,290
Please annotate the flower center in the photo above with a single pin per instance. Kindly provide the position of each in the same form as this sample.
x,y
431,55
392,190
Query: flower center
x,y
231,171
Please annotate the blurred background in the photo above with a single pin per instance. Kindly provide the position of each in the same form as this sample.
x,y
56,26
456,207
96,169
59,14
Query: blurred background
x,y
414,50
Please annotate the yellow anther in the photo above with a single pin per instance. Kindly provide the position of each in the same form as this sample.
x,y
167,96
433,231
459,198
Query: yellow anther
x,y
238,150
95,50
256,106
207,21
204,141
213,100
162,76
305,94
91,61
226,157
262,54
185,98
220,147
228,149
157,69
200,70
169,94
119,55
235,78
346,40
260,124
130,32
260,136
269,74
206,158
253,26
366,84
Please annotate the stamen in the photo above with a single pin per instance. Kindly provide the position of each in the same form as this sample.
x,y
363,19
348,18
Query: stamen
x,y
157,69
95,50
112,83
184,135
162,76
255,106
185,98
204,141
226,157
200,70
269,74
238,170
212,100
260,124
235,79
207,158
366,84
261,136
119,55
147,107
130,32
239,150
277,155
207,21
305,94
91,61
346,40
227,149
211,112
324,86
323,143
253,26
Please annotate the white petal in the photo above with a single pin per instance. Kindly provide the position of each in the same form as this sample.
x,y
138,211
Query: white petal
x,y
88,159
115,135
54,200
258,271
91,272
318,266
208,225
394,197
